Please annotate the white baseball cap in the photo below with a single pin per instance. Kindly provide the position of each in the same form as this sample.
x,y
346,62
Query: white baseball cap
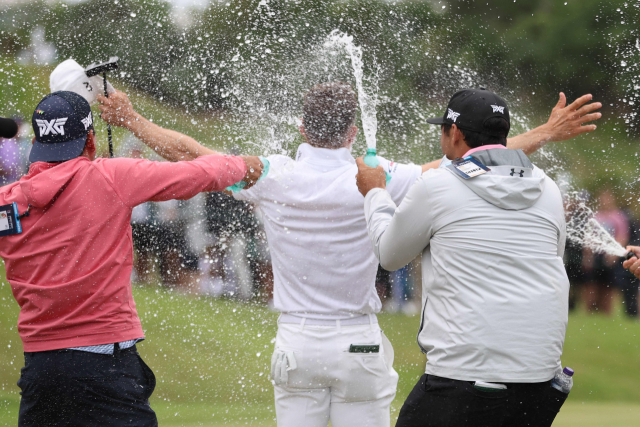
x,y
70,76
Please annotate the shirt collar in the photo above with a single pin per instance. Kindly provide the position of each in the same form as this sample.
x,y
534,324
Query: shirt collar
x,y
311,154
446,161
484,147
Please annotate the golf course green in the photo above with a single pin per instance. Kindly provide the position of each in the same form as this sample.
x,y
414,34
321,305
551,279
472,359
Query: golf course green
x,y
212,360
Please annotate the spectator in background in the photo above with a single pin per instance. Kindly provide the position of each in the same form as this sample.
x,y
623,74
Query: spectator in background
x,y
178,264
383,286
260,260
145,235
600,268
146,241
231,222
402,290
573,252
573,263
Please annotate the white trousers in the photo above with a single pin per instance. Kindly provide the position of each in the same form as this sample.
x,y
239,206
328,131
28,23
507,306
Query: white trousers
x,y
318,380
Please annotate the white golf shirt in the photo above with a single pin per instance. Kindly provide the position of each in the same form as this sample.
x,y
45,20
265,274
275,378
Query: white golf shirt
x,y
323,262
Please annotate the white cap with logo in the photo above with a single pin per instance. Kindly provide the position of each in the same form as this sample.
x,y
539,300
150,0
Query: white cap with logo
x,y
70,76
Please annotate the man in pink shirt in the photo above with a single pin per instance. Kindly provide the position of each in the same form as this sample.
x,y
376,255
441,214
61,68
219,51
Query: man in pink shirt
x,y
68,254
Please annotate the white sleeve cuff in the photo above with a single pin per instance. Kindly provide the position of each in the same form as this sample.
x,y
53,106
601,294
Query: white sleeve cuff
x,y
369,197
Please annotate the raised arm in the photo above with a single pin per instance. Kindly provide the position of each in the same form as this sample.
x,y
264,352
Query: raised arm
x,y
397,233
138,180
565,122
173,146
117,110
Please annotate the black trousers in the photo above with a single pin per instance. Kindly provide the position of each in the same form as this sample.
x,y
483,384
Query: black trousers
x,y
439,402
77,388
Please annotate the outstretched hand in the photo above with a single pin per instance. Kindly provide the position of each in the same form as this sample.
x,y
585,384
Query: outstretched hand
x,y
117,110
566,122
254,170
633,264
369,178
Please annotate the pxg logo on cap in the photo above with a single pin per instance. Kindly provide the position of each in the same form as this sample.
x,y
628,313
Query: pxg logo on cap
x,y
61,123
469,109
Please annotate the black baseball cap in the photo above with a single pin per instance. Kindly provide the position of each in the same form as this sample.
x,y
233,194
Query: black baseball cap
x,y
61,123
469,109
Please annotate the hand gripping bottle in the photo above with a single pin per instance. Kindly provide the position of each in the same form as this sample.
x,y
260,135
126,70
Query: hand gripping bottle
x,y
240,185
563,381
371,160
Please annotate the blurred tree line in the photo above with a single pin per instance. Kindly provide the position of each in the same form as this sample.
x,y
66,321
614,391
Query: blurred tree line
x,y
541,46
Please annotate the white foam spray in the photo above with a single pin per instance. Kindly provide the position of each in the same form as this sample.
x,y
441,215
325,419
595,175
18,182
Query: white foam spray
x,y
270,94
585,230
366,98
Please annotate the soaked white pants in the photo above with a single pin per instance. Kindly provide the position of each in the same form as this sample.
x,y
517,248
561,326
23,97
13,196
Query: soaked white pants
x,y
318,380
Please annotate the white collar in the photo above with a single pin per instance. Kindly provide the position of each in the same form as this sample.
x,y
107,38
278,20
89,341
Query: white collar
x,y
316,155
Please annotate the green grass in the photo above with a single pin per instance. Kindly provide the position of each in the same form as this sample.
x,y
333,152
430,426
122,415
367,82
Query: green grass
x,y
211,358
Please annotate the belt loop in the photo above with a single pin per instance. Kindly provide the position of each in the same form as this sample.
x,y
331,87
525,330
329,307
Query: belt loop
x,y
116,349
304,319
338,326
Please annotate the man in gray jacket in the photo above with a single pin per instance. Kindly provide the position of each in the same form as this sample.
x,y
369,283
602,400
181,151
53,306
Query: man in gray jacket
x,y
491,229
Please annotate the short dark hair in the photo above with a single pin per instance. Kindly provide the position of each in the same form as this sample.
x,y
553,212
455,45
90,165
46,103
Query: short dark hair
x,y
495,125
329,111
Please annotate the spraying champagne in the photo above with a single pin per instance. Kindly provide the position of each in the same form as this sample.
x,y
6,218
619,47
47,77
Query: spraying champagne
x,y
368,101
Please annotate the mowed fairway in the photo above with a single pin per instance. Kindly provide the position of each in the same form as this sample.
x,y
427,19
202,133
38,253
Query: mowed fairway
x,y
212,357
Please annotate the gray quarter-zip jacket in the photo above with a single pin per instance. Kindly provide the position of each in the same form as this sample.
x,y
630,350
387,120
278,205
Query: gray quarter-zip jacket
x,y
495,289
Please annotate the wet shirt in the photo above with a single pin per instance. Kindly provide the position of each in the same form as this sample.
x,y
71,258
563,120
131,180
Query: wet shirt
x,y
494,287
323,263
70,268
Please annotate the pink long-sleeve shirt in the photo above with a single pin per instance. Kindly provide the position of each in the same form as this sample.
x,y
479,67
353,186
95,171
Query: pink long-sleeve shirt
x,y
70,268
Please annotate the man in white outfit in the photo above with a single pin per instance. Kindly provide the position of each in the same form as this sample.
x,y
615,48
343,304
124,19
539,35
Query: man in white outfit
x,y
491,230
331,360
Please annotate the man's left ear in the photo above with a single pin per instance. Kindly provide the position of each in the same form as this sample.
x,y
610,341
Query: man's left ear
x,y
303,132
459,138
91,139
90,145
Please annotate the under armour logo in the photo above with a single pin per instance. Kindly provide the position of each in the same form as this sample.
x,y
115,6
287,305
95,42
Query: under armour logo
x,y
88,86
514,173
88,121
498,109
452,115
55,126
